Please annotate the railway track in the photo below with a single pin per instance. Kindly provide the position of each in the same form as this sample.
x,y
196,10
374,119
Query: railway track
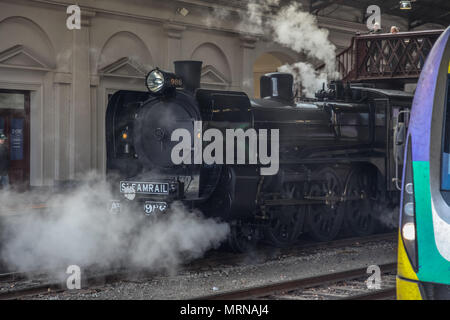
x,y
96,278
262,253
89,281
323,287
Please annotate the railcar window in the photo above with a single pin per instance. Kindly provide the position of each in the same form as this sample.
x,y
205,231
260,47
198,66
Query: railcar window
x,y
445,168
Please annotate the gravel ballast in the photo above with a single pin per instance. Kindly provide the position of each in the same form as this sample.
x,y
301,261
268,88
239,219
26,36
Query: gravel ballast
x,y
254,272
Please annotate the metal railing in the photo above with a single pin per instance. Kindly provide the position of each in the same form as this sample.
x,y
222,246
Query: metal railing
x,y
386,56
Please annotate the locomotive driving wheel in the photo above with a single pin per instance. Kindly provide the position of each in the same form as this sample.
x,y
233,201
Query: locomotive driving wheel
x,y
243,237
324,221
360,214
286,222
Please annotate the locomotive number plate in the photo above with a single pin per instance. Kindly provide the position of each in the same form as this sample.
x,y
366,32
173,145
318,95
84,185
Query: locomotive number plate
x,y
151,207
144,187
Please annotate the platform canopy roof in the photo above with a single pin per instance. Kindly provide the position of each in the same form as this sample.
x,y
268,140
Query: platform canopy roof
x,y
421,12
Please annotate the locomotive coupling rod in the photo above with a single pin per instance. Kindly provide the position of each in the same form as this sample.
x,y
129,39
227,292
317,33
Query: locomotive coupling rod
x,y
326,198
291,202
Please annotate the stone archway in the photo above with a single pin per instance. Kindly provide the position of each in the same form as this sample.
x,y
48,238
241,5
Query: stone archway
x,y
216,72
27,59
33,41
125,44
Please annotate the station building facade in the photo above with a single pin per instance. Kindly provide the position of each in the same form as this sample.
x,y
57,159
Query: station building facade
x,y
55,82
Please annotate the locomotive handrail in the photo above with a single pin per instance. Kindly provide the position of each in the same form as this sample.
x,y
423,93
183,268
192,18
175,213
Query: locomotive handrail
x,y
400,129
400,34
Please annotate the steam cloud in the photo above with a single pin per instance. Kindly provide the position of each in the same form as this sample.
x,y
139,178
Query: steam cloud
x,y
252,20
298,30
388,217
79,230
217,14
307,76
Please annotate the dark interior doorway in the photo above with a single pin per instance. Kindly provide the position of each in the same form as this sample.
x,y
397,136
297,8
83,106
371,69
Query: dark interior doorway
x,y
15,124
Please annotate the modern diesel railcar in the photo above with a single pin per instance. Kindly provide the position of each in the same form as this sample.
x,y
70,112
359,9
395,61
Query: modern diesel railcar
x,y
339,155
424,237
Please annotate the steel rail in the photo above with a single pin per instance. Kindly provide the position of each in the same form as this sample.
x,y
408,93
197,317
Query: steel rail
x,y
56,287
286,286
234,258
383,294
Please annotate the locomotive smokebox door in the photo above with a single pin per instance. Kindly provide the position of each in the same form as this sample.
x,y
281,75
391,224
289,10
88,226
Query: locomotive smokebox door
x,y
153,129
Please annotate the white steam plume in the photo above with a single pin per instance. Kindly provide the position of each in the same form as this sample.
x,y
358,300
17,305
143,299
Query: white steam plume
x,y
218,14
298,30
78,230
253,20
388,217
305,75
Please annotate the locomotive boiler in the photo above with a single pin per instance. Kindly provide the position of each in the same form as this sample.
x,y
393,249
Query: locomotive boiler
x,y
339,155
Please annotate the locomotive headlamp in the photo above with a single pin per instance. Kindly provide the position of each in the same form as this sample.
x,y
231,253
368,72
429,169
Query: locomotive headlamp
x,y
155,81
405,5
160,82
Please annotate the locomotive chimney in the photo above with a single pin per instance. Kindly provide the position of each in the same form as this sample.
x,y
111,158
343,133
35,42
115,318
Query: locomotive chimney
x,y
190,72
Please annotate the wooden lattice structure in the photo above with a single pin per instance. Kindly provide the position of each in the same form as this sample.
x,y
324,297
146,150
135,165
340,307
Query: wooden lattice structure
x,y
398,56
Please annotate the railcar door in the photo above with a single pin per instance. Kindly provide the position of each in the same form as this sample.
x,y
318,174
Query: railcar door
x,y
389,136
15,124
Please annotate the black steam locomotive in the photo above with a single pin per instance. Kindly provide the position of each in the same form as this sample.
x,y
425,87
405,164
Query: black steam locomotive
x,y
340,155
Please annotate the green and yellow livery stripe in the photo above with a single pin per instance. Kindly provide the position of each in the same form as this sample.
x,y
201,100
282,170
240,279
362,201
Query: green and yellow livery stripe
x,y
432,266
